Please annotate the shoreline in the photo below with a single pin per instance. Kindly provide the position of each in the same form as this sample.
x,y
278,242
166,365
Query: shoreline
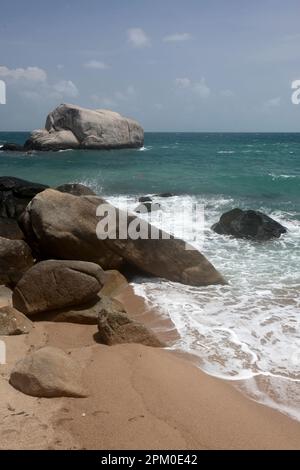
x,y
254,388
139,398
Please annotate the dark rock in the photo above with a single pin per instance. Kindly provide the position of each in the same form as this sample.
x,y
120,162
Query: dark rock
x,y
147,207
145,199
9,228
15,260
164,195
116,328
248,224
53,284
11,147
76,189
15,194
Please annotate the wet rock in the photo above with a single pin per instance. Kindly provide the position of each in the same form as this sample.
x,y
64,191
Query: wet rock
x,y
248,224
147,207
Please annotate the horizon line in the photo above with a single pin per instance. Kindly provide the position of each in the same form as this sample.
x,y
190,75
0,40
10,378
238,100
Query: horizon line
x,y
189,132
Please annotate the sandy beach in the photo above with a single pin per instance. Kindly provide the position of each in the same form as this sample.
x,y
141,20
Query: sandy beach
x,y
138,398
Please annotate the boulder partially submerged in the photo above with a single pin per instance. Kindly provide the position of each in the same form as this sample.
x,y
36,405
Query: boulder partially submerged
x,y
248,224
73,127
65,226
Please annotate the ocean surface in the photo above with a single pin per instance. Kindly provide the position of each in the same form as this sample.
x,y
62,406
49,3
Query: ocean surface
x,y
248,331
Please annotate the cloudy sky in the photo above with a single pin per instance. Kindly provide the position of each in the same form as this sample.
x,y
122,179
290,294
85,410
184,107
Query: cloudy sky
x,y
192,65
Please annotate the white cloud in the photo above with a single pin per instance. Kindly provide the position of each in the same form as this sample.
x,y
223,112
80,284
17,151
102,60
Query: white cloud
x,y
177,37
34,74
131,90
199,88
66,88
138,38
272,103
103,101
116,99
227,93
96,64
31,95
125,95
183,82
32,84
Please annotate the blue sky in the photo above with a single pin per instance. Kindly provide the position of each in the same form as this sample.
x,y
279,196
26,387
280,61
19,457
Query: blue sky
x,y
193,65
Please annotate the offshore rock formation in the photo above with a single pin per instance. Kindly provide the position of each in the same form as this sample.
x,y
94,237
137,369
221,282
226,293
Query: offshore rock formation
x,y
72,127
248,224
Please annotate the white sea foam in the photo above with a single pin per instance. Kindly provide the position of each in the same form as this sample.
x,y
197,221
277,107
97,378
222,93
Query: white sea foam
x,y
226,151
144,149
250,328
282,176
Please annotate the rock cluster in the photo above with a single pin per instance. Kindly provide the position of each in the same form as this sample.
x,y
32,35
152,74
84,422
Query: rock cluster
x,y
61,270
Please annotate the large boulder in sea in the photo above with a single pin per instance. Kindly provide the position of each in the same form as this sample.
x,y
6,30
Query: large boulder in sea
x,y
67,227
248,224
15,194
48,372
53,284
15,260
70,126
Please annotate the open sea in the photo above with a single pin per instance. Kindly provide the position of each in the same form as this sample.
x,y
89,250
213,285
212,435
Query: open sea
x,y
248,331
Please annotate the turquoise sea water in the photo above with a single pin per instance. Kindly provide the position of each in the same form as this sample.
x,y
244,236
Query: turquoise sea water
x,y
249,329
255,168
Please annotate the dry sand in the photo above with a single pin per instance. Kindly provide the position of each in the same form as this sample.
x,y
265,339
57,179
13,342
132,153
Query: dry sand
x,y
139,398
